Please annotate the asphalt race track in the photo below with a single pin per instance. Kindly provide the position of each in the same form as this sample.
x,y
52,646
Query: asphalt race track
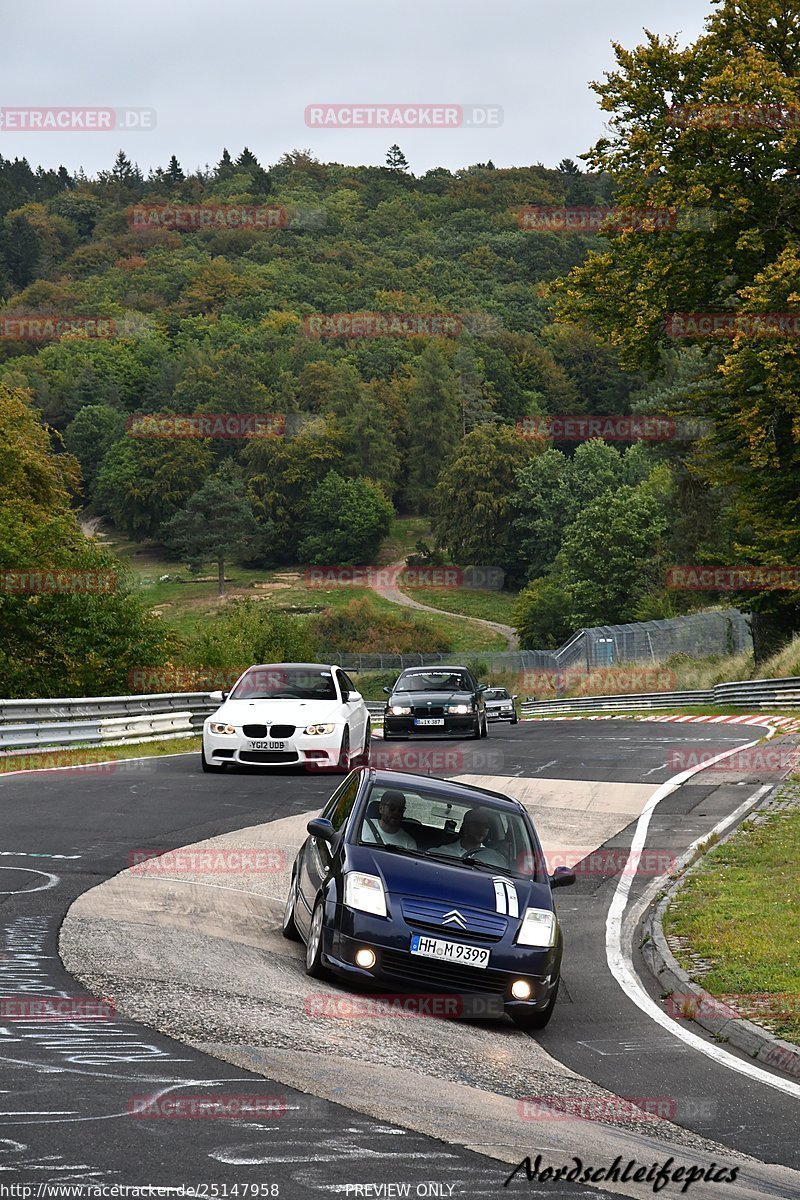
x,y
66,1089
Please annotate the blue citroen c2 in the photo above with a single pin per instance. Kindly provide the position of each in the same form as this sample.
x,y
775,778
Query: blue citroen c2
x,y
428,885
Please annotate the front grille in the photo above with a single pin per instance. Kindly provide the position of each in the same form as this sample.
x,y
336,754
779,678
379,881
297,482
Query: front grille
x,y
431,913
261,731
431,975
268,756
428,712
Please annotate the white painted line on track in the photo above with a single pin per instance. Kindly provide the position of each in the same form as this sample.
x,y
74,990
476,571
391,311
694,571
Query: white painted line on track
x,y
619,959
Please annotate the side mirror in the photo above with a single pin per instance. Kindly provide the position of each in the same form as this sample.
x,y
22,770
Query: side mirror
x,y
218,697
515,697
354,695
225,695
562,877
483,687
388,691
320,827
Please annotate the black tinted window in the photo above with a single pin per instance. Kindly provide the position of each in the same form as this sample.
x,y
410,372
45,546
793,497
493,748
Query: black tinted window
x,y
342,804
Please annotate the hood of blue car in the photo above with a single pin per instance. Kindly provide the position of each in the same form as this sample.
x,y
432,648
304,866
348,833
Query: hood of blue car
x,y
456,884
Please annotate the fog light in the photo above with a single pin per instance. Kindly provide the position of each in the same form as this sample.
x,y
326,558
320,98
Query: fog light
x,y
365,958
521,990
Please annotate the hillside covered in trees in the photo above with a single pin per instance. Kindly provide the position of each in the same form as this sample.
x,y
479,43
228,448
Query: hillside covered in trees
x,y
225,314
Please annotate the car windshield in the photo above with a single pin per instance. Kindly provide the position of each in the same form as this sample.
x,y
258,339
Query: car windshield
x,y
496,694
285,683
433,681
476,832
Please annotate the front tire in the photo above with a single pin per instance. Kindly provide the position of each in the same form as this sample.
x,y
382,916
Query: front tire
x,y
208,767
314,966
485,731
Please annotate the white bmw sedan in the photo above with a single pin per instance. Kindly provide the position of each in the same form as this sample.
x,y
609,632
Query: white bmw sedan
x,y
304,713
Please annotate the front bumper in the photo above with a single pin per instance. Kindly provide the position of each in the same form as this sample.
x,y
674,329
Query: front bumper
x,y
396,969
497,714
300,749
459,725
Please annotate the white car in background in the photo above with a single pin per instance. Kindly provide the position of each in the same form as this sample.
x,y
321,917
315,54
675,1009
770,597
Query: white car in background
x,y
500,705
281,714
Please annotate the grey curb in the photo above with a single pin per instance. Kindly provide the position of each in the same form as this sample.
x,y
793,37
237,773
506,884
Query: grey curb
x,y
755,1041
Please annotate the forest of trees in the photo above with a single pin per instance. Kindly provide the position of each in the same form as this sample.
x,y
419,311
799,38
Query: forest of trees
x,y
213,320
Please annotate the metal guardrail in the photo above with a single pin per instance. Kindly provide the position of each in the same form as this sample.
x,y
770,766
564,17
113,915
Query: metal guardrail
x,y
49,725
646,700
104,706
110,732
752,693
113,720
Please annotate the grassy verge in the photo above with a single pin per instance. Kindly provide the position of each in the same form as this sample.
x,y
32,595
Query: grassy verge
x,y
740,911
402,539
84,756
470,602
185,602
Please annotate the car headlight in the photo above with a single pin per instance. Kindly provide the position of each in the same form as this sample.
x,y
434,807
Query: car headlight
x,y
538,928
460,709
365,892
215,727
401,710
319,730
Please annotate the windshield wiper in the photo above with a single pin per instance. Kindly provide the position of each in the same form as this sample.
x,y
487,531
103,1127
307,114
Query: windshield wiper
x,y
467,860
453,859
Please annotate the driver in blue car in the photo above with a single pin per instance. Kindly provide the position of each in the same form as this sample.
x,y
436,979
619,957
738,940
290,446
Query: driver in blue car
x,y
475,828
387,828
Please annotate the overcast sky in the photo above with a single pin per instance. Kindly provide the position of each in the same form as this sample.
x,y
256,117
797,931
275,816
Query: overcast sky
x,y
242,72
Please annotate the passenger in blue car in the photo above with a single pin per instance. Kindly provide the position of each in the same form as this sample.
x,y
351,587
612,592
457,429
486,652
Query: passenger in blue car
x,y
385,827
475,829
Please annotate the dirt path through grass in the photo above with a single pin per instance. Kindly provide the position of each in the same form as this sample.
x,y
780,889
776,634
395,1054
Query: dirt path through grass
x,y
392,593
